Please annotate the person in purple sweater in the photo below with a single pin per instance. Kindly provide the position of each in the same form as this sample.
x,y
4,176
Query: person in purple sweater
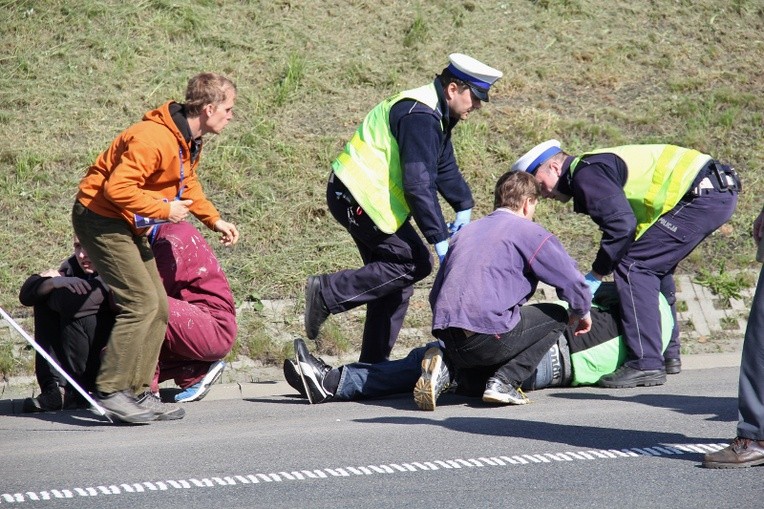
x,y
492,268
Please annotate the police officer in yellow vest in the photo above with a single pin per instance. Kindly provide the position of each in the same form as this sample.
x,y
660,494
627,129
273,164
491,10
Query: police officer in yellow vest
x,y
391,170
653,204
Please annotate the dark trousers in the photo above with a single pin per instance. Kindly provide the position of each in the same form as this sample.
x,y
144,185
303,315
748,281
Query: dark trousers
x,y
74,343
648,267
751,386
392,264
514,355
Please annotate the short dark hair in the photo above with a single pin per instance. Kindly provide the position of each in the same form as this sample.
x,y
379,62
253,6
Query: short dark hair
x,y
206,88
513,188
445,77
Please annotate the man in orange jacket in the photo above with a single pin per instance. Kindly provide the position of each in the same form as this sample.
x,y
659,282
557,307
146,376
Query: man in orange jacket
x,y
147,175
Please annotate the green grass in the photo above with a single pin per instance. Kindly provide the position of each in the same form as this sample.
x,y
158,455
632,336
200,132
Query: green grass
x,y
592,73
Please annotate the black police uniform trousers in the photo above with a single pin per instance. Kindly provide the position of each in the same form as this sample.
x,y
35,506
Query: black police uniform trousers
x,y
392,264
648,266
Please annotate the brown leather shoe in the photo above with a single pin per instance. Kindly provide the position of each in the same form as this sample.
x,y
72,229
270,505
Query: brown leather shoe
x,y
741,453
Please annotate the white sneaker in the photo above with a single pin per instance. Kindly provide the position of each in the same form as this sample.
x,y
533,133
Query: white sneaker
x,y
434,380
497,391
200,389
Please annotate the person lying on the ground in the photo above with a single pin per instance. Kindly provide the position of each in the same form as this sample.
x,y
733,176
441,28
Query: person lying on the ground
x,y
571,361
72,321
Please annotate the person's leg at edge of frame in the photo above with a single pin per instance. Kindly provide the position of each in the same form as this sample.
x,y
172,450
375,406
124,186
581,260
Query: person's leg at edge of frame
x,y
751,383
747,448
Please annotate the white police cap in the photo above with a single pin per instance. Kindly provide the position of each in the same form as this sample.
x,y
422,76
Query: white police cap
x,y
535,157
478,76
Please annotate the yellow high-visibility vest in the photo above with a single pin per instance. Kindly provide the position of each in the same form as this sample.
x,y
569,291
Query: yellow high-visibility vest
x,y
658,177
370,165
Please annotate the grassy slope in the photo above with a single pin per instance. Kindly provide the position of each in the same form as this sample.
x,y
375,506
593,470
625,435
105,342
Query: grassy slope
x,y
590,72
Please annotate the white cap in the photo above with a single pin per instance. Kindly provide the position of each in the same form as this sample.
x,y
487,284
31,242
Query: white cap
x,y
474,73
535,157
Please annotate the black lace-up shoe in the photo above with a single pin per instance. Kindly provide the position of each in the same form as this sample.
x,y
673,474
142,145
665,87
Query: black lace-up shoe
x,y
316,311
293,378
673,366
626,378
313,373
49,400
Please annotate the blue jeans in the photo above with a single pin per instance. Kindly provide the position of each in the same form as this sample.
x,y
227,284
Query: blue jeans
x,y
362,380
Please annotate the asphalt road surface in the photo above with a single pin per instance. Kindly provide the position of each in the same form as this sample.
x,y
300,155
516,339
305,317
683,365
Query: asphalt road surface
x,y
570,448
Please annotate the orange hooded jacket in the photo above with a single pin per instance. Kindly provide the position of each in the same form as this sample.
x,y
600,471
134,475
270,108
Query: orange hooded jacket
x,y
141,169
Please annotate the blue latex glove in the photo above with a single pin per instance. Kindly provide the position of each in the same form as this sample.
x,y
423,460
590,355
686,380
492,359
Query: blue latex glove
x,y
441,248
593,282
462,218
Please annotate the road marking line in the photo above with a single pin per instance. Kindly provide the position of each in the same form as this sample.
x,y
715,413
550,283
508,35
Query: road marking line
x,y
392,468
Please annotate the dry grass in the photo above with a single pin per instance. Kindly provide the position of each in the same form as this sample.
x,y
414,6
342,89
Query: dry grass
x,y
590,72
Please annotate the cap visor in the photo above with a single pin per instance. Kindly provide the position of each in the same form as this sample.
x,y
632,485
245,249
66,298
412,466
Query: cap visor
x,y
480,93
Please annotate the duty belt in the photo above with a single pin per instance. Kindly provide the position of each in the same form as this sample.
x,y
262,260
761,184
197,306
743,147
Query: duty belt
x,y
343,193
719,177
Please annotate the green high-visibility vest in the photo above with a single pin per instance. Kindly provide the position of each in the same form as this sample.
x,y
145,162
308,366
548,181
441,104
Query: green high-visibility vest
x,y
658,177
370,165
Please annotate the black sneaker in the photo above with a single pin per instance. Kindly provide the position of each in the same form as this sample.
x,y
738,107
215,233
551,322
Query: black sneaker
x,y
312,372
123,406
163,411
435,379
293,378
316,311
497,391
49,400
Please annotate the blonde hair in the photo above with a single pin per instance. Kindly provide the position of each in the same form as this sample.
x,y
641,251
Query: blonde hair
x,y
206,88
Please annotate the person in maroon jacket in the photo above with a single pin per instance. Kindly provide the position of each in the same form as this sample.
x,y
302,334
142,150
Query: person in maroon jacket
x,y
202,325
